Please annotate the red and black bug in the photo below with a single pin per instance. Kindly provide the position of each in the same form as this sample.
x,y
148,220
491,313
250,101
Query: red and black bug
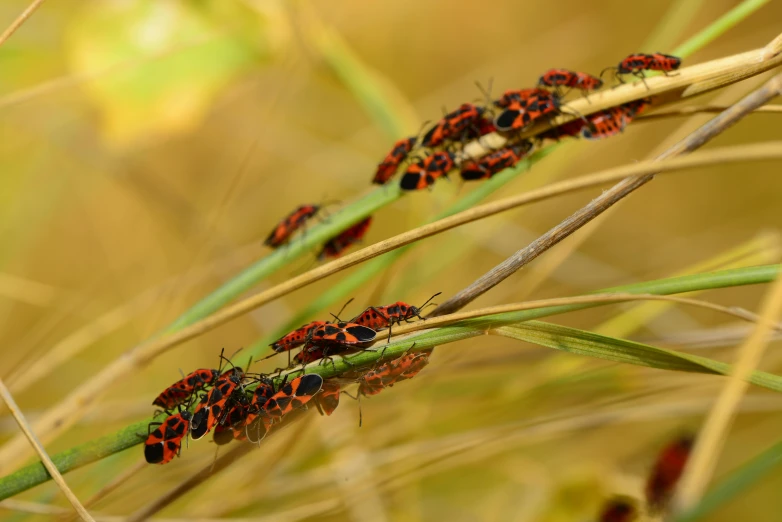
x,y
572,128
637,63
165,442
214,405
292,395
295,338
314,352
381,317
253,424
482,127
520,114
491,164
333,339
342,333
618,509
392,372
566,78
290,224
519,95
335,246
611,122
666,472
604,124
453,125
232,426
425,172
181,390
328,398
388,167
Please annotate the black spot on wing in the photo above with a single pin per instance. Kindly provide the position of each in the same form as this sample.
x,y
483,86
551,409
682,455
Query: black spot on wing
x,y
309,385
153,453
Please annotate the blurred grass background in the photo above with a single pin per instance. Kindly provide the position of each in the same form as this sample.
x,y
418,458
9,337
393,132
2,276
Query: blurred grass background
x,y
149,146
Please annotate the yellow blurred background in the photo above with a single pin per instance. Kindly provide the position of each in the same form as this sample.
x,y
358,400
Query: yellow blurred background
x,y
148,147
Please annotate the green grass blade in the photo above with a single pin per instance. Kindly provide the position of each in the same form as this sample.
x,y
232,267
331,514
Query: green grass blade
x,y
76,457
612,349
672,25
719,27
735,483
282,257
762,249
87,453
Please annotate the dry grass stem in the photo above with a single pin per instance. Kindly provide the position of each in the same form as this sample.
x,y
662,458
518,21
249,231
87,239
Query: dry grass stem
x,y
22,18
73,407
684,83
715,429
112,486
608,198
703,109
47,462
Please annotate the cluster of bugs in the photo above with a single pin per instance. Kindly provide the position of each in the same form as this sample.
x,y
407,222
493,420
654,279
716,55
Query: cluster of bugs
x,y
660,484
235,404
226,403
321,339
434,155
425,159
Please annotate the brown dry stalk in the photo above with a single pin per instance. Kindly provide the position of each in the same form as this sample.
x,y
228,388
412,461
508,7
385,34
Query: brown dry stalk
x,y
695,79
45,459
692,110
75,404
609,198
22,18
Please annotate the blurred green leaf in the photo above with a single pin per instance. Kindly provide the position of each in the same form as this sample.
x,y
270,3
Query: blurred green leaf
x,y
591,344
156,65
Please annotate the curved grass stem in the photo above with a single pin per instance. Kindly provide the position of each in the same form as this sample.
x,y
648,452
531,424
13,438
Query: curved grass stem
x,y
134,434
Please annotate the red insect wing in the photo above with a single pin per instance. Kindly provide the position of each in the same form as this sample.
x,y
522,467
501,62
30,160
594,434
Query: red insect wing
x,y
634,63
392,372
587,82
373,317
664,62
495,162
292,395
453,125
521,95
558,78
290,224
604,124
571,128
667,471
343,333
165,442
328,399
179,392
296,338
425,172
409,365
371,383
388,167
338,244
519,114
214,405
